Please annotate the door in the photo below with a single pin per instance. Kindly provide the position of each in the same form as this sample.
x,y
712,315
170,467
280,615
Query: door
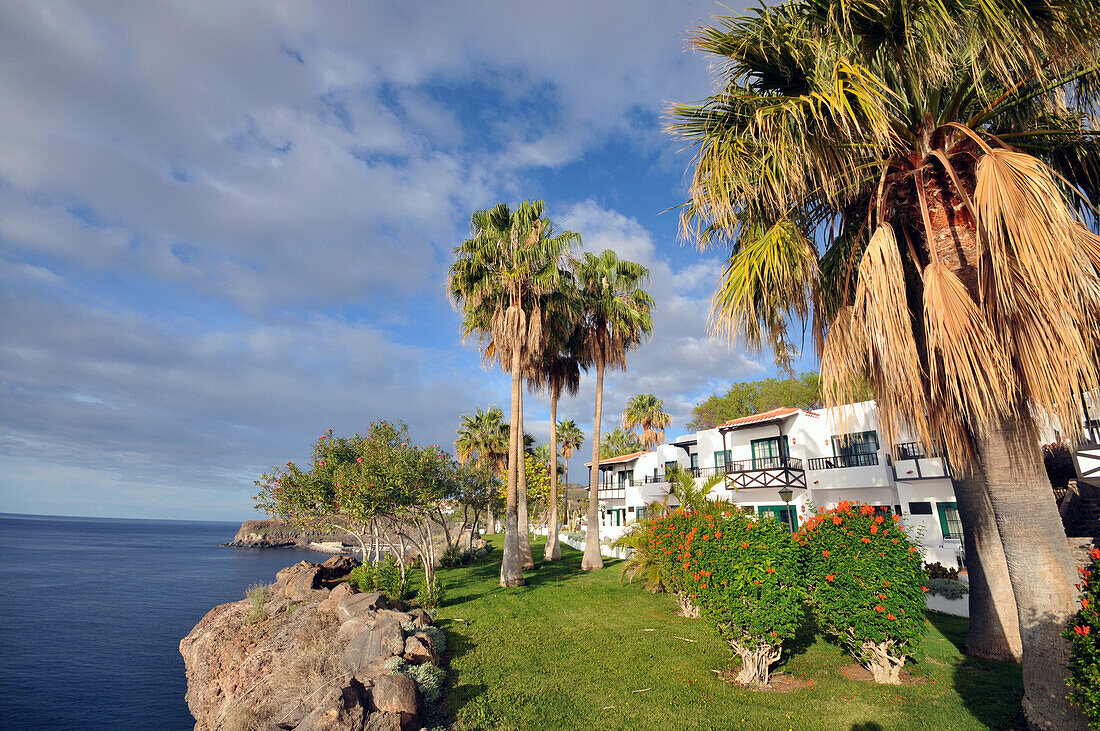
x,y
695,463
949,520
766,453
784,514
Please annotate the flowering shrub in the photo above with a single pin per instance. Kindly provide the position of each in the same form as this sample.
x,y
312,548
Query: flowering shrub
x,y
866,581
744,577
1083,632
665,547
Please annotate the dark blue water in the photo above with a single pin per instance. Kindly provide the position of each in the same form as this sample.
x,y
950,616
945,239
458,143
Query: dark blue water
x,y
92,612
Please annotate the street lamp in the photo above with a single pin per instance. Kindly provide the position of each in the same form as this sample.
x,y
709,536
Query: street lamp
x,y
786,494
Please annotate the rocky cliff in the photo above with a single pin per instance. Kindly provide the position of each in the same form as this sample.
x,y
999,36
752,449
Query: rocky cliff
x,y
311,654
277,534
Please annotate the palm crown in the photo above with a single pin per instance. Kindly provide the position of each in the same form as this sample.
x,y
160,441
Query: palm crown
x,y
647,411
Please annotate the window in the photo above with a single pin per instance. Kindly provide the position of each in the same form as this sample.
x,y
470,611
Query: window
x,y
920,508
883,510
784,514
671,466
625,477
721,459
846,445
949,520
694,461
768,453
640,513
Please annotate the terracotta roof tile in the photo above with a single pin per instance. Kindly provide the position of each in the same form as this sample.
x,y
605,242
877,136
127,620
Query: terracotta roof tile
x,y
768,416
618,460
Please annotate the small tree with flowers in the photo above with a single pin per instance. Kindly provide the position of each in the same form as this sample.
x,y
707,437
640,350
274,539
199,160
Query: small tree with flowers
x,y
1083,633
668,534
865,581
745,577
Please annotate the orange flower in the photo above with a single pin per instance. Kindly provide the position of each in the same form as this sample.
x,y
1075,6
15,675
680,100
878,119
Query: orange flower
x,y
1095,554
881,596
755,581
744,545
1082,629
1084,603
891,617
867,509
829,577
897,518
880,608
879,519
866,539
895,541
837,520
717,534
925,588
825,554
771,570
874,529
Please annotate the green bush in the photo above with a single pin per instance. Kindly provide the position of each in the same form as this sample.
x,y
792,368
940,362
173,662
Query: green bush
x,y
947,588
389,580
454,556
866,582
364,578
939,571
744,576
1083,632
257,595
431,595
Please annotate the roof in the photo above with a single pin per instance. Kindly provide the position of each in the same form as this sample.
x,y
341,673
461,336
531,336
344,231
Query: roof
x,y
618,460
767,417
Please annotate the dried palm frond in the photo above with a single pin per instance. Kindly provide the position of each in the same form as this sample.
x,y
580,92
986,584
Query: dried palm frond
x,y
893,362
970,378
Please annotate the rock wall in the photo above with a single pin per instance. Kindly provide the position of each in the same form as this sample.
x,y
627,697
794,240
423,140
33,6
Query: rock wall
x,y
314,655
277,534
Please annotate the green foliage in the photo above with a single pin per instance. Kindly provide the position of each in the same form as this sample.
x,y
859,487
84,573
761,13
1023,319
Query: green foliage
x,y
432,682
364,578
257,595
389,580
431,594
454,556
939,571
753,397
743,574
947,588
618,442
646,411
1083,632
865,579
642,562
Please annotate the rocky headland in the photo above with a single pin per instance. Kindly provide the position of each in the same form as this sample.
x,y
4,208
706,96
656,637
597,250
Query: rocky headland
x,y
310,653
277,534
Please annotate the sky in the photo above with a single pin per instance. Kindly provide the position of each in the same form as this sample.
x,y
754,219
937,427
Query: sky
x,y
226,227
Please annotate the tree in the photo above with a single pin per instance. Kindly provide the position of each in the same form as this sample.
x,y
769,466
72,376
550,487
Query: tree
x,y
483,438
616,317
618,442
571,439
940,149
510,260
755,397
647,412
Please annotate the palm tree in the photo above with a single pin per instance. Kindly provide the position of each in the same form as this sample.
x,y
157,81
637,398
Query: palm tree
x,y
646,411
483,438
571,438
940,149
511,258
616,317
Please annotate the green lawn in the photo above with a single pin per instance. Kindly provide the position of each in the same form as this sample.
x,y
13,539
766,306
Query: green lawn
x,y
568,650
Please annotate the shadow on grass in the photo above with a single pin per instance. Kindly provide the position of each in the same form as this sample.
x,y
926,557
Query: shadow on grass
x,y
991,691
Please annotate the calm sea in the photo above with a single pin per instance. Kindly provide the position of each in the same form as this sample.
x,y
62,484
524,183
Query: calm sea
x,y
92,612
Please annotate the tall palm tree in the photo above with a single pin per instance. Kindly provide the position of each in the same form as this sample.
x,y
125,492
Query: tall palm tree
x,y
571,438
511,258
647,411
616,317
483,437
940,149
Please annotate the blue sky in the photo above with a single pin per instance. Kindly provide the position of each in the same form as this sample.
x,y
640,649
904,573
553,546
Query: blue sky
x,y
225,227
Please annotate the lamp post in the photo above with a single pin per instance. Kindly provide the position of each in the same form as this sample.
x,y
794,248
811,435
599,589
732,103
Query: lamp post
x,y
786,494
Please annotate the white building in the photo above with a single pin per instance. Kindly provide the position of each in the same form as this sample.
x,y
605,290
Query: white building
x,y
815,457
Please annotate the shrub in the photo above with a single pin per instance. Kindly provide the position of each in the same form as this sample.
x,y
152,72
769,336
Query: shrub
x,y
389,581
745,578
666,538
257,595
641,563
939,571
1083,632
947,588
363,577
431,595
454,556
866,582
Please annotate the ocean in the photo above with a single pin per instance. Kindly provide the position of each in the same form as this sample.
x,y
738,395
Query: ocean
x,y
92,612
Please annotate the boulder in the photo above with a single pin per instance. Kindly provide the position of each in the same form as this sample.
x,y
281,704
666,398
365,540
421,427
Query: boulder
x,y
383,721
357,604
479,545
337,567
401,617
354,626
397,605
418,649
342,709
342,591
397,694
420,618
385,639
298,582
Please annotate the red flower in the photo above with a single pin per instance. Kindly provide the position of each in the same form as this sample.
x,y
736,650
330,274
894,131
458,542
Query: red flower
x,y
771,570
866,539
879,519
1084,603
895,541
744,545
1095,554
881,596
829,577
837,520
825,554
925,588
880,608
717,534
874,529
755,581
891,617
1082,629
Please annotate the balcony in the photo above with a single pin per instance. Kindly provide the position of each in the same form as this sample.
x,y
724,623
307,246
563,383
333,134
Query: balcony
x,y
612,490
868,459
766,472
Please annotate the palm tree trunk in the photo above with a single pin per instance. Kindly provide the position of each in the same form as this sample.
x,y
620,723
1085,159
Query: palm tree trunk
x,y
511,565
592,558
553,549
566,503
521,494
1039,565
994,632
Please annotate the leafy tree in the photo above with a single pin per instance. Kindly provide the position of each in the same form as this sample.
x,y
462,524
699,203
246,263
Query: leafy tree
x,y
646,411
754,397
511,259
940,148
619,442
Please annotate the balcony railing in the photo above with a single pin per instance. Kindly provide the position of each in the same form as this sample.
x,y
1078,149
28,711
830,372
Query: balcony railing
x,y
911,450
868,459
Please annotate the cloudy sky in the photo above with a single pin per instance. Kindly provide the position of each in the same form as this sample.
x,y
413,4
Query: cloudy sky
x,y
225,226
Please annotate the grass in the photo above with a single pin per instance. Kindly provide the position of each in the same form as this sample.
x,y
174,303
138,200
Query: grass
x,y
257,595
569,649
